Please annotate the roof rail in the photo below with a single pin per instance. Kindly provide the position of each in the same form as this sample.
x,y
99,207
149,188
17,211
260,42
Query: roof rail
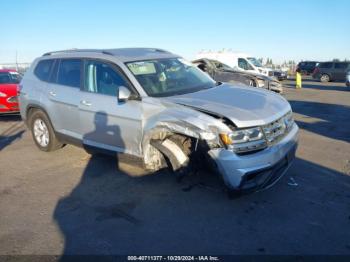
x,y
78,50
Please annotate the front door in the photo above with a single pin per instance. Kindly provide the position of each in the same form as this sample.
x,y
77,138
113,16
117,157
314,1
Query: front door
x,y
105,122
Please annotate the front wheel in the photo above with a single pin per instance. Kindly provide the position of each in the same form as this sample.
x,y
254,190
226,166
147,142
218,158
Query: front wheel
x,y
325,78
43,133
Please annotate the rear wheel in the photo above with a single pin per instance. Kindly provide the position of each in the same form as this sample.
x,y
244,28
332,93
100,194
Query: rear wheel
x,y
43,133
325,78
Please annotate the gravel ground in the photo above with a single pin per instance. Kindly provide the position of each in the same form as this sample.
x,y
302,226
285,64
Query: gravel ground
x,y
67,202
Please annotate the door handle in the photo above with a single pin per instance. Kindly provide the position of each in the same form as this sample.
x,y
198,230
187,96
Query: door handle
x,y
52,93
85,103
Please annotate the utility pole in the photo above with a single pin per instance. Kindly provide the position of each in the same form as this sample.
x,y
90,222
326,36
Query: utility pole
x,y
16,62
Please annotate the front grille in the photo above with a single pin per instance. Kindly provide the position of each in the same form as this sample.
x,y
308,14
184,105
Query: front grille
x,y
277,130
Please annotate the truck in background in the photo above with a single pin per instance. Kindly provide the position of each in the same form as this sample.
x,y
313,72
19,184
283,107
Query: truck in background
x,y
238,61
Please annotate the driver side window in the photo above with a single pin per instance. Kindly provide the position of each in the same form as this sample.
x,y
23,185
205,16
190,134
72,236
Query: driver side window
x,y
242,63
101,78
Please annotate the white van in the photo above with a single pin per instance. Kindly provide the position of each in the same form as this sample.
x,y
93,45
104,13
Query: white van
x,y
238,61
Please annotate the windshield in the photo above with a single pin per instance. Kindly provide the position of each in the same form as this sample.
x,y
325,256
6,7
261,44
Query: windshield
x,y
255,61
170,76
10,78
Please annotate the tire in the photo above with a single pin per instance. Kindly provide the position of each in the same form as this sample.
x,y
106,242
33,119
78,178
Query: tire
x,y
42,132
325,78
182,143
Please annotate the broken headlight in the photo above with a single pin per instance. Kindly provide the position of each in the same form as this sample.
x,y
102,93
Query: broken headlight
x,y
244,140
289,120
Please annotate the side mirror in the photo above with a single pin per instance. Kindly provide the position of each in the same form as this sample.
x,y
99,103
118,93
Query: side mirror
x,y
123,94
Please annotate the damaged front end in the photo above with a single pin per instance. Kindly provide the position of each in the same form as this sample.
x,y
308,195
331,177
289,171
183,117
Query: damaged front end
x,y
175,134
248,159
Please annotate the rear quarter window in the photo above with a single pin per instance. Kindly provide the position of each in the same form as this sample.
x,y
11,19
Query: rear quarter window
x,y
43,69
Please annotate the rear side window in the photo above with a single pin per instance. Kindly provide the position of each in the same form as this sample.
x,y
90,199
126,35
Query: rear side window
x,y
326,65
341,65
43,69
69,72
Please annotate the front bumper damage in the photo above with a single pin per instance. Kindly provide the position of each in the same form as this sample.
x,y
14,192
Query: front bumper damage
x,y
258,170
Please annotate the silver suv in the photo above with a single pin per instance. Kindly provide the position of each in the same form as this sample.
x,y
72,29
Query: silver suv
x,y
156,106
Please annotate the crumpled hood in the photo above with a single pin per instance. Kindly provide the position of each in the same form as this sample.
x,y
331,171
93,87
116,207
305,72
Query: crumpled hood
x,y
244,106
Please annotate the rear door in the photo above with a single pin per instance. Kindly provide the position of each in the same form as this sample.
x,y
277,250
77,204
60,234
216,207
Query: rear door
x,y
340,70
326,68
107,123
63,91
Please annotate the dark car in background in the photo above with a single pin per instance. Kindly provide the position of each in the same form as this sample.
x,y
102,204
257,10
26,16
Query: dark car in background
x,y
223,73
280,75
331,71
307,67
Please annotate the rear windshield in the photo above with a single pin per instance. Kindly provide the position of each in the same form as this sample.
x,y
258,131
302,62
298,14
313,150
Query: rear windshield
x,y
10,78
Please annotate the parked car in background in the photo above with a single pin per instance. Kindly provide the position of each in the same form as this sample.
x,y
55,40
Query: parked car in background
x,y
280,75
331,71
238,61
9,81
162,109
307,67
347,82
224,73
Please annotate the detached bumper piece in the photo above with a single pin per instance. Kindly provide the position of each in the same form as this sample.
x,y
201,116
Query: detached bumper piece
x,y
265,178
